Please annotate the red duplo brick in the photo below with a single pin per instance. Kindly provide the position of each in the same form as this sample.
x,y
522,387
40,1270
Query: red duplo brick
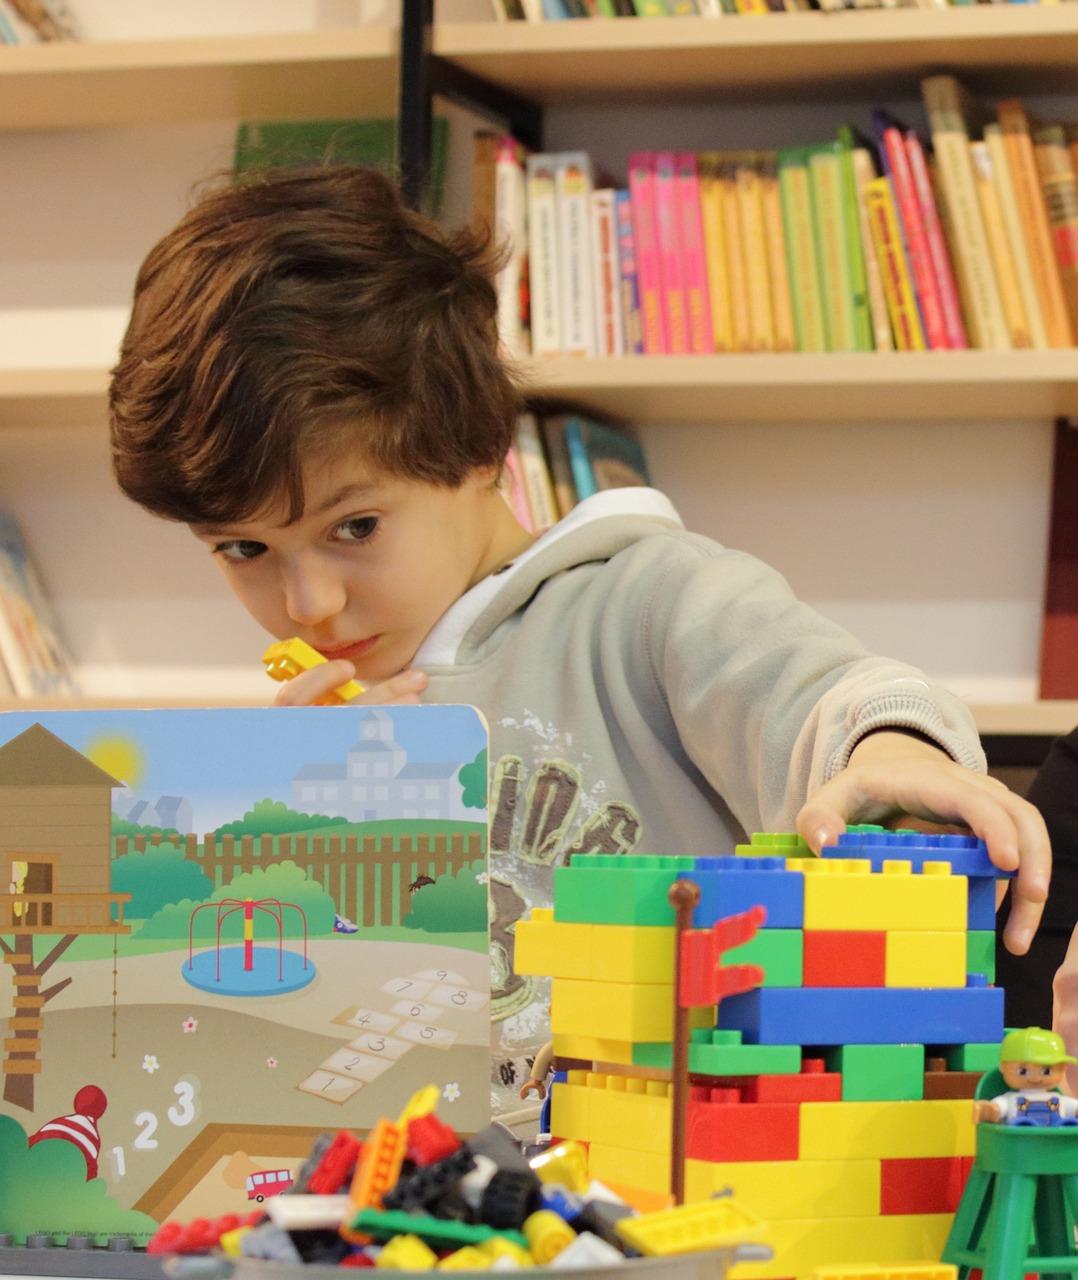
x,y
923,1185
743,1131
844,959
809,1086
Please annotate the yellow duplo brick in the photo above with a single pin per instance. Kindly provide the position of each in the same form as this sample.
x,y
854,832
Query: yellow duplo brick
x,y
406,1253
594,952
631,1167
803,1245
899,867
658,1088
612,1010
790,1188
830,866
570,1108
499,1247
925,959
467,1259
549,949
591,1049
936,869
885,902
888,1271
619,1118
885,1130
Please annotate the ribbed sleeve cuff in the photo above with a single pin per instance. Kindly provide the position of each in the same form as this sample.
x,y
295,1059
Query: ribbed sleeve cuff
x,y
902,709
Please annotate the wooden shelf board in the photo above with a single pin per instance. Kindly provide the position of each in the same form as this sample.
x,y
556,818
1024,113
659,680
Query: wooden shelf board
x,y
958,386
1021,47
309,74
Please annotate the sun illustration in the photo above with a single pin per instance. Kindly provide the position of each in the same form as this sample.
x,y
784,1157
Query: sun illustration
x,y
120,756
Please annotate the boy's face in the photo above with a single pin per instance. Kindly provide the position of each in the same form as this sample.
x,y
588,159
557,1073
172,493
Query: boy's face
x,y
371,564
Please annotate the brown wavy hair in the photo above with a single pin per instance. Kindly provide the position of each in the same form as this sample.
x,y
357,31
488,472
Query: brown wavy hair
x,y
307,310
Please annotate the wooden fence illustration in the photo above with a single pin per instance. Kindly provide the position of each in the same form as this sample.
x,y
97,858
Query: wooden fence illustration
x,y
366,876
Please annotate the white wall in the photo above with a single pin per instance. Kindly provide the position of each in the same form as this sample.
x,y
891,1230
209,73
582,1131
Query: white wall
x,y
928,541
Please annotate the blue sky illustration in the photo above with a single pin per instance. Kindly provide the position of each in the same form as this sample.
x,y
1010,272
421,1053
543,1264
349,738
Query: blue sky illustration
x,y
225,760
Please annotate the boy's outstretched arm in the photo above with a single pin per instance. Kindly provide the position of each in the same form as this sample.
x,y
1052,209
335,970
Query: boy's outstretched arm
x,y
894,773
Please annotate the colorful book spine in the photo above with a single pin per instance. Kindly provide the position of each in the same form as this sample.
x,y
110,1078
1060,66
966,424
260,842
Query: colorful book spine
x,y
809,324
718,276
775,236
946,115
911,223
1060,186
513,490
864,172
1006,277
1016,238
543,254
825,183
572,178
511,229
736,262
1034,215
897,287
942,267
606,287
629,289
751,212
671,262
542,504
642,193
855,255
694,257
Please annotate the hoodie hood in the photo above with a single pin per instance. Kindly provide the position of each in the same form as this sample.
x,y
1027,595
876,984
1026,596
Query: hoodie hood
x,y
595,529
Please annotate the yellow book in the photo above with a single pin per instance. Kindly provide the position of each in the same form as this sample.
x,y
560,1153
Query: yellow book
x,y
897,288
946,105
718,275
865,172
1016,240
750,206
1006,277
782,311
735,252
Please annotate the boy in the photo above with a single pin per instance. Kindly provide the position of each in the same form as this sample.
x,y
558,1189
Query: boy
x,y
311,381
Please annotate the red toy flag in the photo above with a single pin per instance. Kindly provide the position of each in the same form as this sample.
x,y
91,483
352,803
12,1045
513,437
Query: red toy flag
x,y
704,979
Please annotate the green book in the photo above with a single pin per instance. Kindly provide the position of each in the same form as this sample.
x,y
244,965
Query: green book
x,y
864,339
294,143
810,327
832,252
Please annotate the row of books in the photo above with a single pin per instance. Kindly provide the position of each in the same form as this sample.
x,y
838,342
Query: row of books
x,y
33,659
34,21
846,245
559,10
557,460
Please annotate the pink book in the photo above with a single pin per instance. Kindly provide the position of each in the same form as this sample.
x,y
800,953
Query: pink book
x,y
694,260
515,490
671,267
937,244
649,279
913,229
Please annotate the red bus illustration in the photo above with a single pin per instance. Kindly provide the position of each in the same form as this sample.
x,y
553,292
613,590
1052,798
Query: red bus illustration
x,y
270,1183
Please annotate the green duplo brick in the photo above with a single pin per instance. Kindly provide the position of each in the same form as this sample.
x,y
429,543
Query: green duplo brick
x,y
880,1072
721,1053
779,952
973,1057
774,844
981,953
602,889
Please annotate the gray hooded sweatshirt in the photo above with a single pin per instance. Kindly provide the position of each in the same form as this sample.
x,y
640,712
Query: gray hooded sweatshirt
x,y
648,690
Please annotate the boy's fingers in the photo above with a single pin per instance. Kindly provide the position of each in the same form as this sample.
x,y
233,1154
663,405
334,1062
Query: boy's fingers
x,y
821,821
401,689
310,687
1030,888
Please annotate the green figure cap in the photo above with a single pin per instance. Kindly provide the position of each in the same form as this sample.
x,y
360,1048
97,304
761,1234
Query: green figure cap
x,y
1034,1044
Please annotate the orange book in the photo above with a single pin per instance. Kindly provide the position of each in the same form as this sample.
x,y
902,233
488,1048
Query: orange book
x,y
891,255
1060,185
1010,294
782,310
1034,215
750,205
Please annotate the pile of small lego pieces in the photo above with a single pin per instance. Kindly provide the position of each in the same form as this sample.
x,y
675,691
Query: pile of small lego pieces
x,y
414,1197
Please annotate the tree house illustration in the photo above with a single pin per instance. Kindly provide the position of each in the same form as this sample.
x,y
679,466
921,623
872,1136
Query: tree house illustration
x,y
55,852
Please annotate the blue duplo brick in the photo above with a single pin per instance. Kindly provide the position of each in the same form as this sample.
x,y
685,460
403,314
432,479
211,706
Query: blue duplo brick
x,y
730,885
865,1015
982,905
967,855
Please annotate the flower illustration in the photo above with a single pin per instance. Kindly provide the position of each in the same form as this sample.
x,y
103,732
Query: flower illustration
x,y
271,1063
190,1025
451,1092
150,1063
482,878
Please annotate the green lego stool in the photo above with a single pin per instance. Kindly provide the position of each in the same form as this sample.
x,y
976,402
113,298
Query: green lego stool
x,y
1020,1207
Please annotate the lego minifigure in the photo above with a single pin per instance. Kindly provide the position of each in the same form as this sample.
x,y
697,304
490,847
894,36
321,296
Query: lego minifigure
x,y
1032,1062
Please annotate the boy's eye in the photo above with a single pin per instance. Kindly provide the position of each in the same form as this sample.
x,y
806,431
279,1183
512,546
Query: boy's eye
x,y
357,529
239,550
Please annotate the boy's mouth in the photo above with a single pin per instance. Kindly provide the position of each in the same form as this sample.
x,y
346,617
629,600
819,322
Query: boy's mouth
x,y
350,652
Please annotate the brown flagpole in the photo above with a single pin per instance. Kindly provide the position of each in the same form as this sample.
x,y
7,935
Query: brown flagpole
x,y
683,896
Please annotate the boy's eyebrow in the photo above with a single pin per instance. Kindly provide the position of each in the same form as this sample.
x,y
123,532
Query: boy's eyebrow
x,y
347,493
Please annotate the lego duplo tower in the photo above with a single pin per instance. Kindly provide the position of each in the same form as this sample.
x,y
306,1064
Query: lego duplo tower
x,y
833,1099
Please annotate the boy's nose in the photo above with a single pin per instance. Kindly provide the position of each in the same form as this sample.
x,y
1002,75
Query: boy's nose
x,y
312,596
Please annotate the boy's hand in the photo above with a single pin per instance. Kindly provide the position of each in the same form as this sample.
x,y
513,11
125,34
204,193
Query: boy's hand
x,y
311,688
893,774
1065,1006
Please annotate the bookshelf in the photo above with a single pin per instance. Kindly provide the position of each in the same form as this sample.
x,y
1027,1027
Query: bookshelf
x,y
177,84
